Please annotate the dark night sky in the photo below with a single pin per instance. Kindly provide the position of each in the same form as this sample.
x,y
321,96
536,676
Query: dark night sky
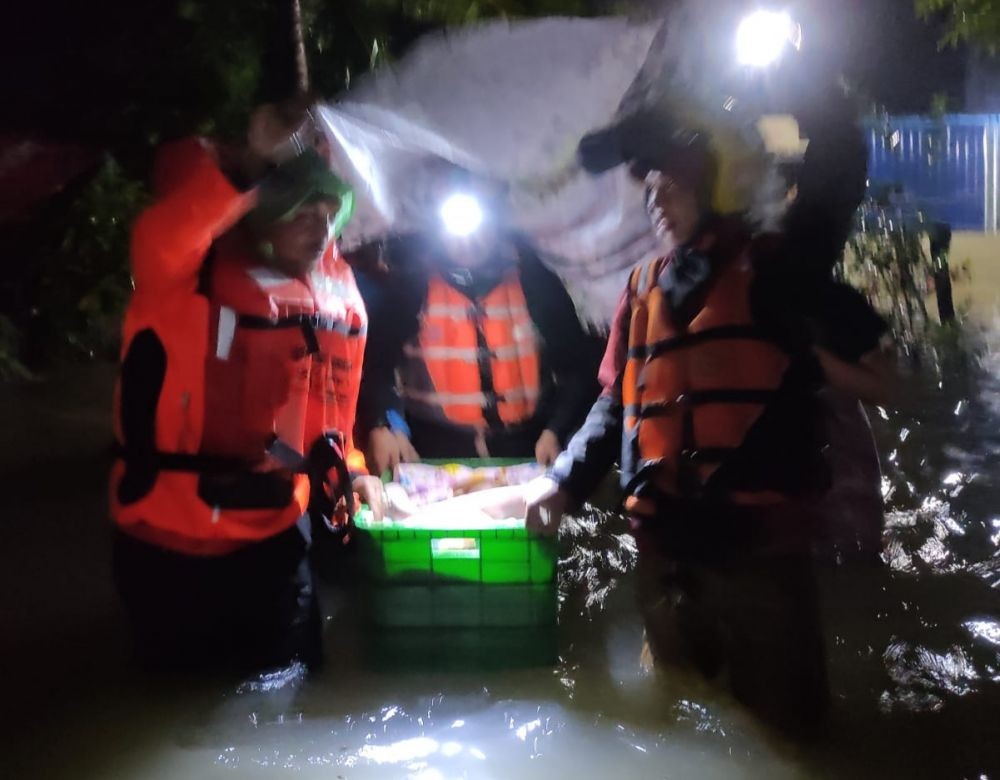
x,y
893,55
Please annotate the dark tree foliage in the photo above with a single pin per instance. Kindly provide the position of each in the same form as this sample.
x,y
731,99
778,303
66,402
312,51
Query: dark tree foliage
x,y
975,22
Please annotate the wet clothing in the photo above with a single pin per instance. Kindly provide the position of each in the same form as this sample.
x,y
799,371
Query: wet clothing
x,y
513,283
251,609
755,619
726,585
232,374
233,414
851,512
725,573
781,451
831,183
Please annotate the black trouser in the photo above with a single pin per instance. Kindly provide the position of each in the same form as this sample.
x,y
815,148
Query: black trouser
x,y
249,610
751,613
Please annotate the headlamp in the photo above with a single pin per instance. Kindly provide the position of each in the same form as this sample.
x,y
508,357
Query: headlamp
x,y
763,36
461,214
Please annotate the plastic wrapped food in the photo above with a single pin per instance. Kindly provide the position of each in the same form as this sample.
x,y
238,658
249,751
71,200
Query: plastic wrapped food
x,y
454,493
481,509
427,484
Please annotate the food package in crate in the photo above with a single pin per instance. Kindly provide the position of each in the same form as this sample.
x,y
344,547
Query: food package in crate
x,y
426,484
418,486
484,508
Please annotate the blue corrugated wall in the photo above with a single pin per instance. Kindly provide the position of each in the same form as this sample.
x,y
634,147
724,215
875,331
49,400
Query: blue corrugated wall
x,y
948,167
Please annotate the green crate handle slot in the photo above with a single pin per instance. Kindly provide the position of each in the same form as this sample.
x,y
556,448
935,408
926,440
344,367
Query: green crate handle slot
x,y
457,547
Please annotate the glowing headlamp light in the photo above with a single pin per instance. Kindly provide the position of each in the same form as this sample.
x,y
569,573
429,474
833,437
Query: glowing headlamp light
x,y
461,214
763,36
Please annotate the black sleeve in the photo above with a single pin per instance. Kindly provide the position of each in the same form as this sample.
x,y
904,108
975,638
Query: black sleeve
x,y
846,324
799,311
568,352
143,371
830,186
393,306
593,450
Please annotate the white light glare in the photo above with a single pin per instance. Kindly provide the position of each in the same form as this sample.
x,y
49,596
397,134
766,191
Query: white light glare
x,y
762,37
461,214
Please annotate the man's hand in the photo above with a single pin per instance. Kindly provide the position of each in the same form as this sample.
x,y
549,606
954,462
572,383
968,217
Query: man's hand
x,y
277,132
372,493
546,506
547,448
388,448
872,379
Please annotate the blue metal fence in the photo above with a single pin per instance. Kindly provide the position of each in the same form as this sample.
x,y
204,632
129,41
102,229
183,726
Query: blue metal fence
x,y
949,167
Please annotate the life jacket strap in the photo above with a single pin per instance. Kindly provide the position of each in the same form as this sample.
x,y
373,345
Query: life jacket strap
x,y
328,453
181,461
686,339
699,398
317,321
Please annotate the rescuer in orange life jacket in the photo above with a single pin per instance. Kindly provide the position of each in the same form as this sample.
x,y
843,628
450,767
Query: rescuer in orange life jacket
x,y
241,362
710,381
475,348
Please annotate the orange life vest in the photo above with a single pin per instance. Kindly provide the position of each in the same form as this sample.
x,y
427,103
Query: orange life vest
x,y
474,362
691,394
262,358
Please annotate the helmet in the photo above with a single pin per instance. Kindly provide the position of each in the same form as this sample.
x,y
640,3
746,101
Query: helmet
x,y
294,183
726,164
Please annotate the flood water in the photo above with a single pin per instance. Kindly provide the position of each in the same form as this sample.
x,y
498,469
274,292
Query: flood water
x,y
913,645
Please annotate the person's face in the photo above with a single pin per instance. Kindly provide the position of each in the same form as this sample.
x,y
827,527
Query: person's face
x,y
471,251
673,208
300,241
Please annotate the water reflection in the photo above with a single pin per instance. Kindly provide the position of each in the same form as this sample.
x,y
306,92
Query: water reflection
x,y
399,752
699,716
921,676
988,630
914,651
918,539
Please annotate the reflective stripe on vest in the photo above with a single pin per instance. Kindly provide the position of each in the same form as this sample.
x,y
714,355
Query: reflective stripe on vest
x,y
263,358
473,363
459,353
691,394
467,399
460,312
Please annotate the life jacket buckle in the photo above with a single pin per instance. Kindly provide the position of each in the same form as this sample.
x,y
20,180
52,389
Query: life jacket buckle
x,y
308,327
328,453
286,454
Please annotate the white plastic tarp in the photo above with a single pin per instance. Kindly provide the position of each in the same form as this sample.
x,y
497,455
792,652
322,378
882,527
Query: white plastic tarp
x,y
509,102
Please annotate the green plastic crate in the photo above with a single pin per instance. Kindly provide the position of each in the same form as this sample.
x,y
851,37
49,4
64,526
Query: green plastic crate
x,y
495,556
420,577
